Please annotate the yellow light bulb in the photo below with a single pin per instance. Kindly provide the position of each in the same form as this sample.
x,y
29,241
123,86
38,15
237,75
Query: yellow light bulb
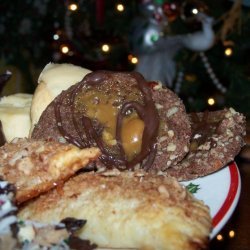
x,y
73,7
105,48
219,237
228,52
120,7
64,49
231,233
211,101
195,11
134,60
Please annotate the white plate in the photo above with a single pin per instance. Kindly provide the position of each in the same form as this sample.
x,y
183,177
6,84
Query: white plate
x,y
220,191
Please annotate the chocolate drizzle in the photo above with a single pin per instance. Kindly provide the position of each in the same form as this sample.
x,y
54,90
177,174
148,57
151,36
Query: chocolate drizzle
x,y
59,120
74,242
77,243
72,224
87,130
149,115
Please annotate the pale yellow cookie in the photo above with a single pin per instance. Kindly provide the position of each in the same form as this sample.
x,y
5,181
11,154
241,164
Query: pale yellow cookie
x,y
15,115
53,79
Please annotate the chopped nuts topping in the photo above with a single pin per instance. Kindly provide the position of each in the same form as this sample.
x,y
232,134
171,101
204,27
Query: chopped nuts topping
x,y
171,133
171,147
172,111
163,190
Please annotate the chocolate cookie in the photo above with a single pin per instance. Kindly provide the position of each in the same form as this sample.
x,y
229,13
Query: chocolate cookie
x,y
175,131
121,114
217,138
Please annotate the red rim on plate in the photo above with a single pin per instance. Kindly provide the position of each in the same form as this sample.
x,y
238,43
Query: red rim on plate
x,y
232,192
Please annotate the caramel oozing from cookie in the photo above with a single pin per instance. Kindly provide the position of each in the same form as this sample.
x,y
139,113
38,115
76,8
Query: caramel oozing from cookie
x,y
131,136
100,106
117,116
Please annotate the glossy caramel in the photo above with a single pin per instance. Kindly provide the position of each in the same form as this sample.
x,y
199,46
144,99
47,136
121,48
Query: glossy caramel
x,y
101,107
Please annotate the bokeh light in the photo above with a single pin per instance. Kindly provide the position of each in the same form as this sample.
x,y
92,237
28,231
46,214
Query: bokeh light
x,y
211,101
64,49
120,7
105,48
228,52
73,7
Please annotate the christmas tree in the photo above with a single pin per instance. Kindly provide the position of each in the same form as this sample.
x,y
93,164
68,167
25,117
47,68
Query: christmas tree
x,y
197,48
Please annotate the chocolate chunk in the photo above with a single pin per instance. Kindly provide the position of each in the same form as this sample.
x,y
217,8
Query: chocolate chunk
x,y
73,224
80,244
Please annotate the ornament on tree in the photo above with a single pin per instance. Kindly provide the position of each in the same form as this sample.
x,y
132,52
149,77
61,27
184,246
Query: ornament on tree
x,y
201,40
151,46
211,73
156,51
178,83
148,27
152,10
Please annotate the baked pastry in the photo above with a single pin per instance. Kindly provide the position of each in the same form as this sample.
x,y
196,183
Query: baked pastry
x,y
36,166
133,124
15,115
217,137
127,210
53,79
30,235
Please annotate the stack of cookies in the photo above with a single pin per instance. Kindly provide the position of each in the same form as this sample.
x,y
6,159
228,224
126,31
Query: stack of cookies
x,y
110,148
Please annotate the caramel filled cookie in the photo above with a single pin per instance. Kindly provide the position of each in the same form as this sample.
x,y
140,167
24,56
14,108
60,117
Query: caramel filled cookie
x,y
133,124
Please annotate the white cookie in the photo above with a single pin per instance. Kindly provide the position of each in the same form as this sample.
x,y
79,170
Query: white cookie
x,y
53,79
15,115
